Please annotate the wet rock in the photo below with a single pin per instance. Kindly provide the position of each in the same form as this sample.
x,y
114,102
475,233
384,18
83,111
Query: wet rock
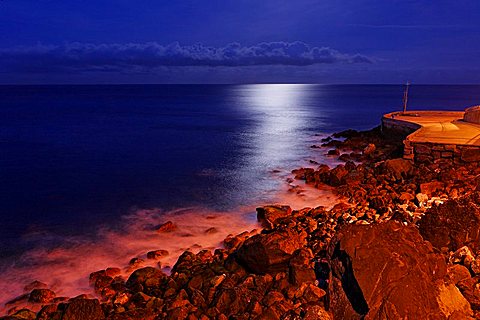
x,y
168,226
82,309
112,272
48,312
23,314
35,285
374,265
136,262
211,230
333,152
147,280
336,175
454,224
157,254
302,173
369,149
348,133
41,296
270,253
268,215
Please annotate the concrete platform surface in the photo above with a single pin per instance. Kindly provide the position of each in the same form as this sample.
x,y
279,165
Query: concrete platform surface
x,y
443,127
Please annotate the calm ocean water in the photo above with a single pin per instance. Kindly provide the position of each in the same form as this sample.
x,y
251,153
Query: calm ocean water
x,y
74,157
86,172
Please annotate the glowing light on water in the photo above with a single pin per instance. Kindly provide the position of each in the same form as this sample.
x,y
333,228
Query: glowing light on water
x,y
277,140
282,114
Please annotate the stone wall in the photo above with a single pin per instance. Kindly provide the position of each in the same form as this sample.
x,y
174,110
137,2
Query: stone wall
x,y
472,115
430,152
399,126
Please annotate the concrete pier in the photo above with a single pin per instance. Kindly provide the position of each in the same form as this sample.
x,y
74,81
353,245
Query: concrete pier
x,y
438,135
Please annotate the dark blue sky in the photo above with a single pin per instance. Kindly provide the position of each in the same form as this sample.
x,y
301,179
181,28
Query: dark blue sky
x,y
330,41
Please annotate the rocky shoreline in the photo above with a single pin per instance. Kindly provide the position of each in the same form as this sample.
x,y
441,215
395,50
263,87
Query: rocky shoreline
x,y
404,244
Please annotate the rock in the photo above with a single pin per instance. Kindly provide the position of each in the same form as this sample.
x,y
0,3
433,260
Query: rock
x,y
35,285
458,273
475,266
147,280
406,197
333,152
168,226
83,309
157,254
421,199
48,312
112,272
273,297
454,224
432,187
349,133
315,312
136,262
336,175
211,230
23,314
369,149
41,296
312,294
268,215
100,279
399,168
469,289
301,268
376,265
463,255
121,298
302,173
269,253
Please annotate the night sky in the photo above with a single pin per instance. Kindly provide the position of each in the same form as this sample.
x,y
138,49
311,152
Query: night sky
x,y
239,41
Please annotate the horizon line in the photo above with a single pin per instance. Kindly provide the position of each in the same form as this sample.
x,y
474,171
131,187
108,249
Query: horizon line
x,y
238,83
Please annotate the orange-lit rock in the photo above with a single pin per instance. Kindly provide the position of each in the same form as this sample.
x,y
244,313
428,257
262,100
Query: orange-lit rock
x,y
168,226
378,266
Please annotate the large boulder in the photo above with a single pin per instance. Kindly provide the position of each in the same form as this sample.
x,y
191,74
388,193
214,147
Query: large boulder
x,y
452,225
387,271
268,215
270,252
147,280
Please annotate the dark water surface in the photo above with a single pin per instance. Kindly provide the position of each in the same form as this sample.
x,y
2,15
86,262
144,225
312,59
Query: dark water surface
x,y
73,157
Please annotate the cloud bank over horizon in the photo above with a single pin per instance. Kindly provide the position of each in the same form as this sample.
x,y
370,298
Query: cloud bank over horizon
x,y
146,57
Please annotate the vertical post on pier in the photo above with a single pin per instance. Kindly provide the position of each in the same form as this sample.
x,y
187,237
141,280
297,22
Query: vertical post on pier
x,y
405,97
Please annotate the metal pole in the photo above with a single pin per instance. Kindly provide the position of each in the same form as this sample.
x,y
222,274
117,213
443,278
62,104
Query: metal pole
x,y
405,98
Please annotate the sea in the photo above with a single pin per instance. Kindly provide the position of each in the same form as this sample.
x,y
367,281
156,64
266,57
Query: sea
x,y
87,172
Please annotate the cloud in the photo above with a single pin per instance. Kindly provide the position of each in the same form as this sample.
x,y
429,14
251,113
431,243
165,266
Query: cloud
x,y
146,57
